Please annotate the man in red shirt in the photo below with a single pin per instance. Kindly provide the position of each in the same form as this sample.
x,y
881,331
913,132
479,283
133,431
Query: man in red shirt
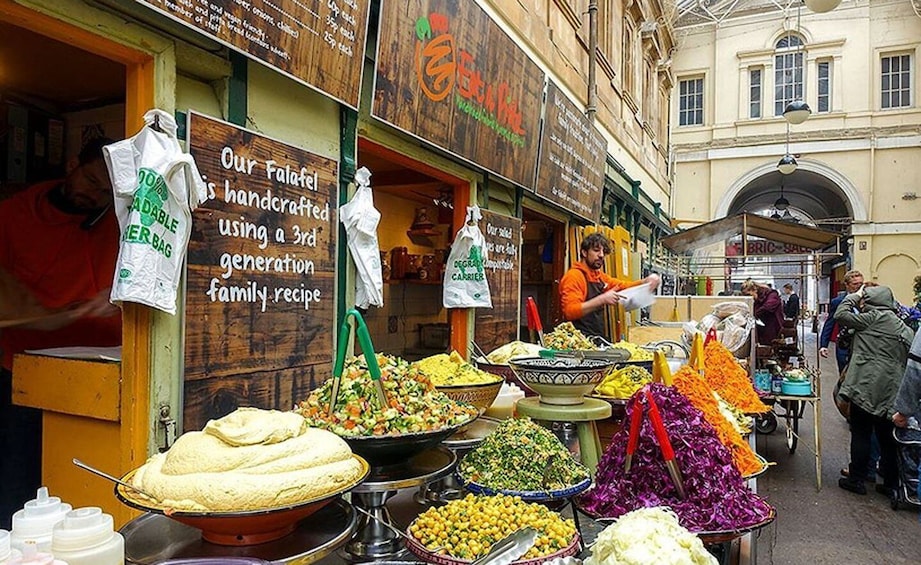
x,y
585,289
59,243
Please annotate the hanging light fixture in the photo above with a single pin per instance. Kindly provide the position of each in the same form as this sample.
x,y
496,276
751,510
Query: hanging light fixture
x,y
796,112
781,203
822,6
787,164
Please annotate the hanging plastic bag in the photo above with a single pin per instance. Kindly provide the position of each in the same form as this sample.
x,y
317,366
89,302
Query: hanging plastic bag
x,y
156,186
465,284
360,219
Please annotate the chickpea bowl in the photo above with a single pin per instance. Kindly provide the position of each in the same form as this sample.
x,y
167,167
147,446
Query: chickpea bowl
x,y
463,530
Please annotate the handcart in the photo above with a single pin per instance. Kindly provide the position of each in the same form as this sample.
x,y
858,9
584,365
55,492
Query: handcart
x,y
791,408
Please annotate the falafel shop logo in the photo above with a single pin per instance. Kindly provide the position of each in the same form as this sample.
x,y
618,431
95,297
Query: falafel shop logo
x,y
443,69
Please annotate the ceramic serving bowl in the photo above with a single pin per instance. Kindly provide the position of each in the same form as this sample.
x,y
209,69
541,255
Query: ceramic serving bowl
x,y
480,395
561,380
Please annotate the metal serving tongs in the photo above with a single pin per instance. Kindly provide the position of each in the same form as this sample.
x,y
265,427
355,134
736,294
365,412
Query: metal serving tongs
x,y
668,454
364,342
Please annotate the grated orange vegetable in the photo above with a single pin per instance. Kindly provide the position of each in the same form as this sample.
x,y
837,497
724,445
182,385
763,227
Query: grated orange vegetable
x,y
730,380
695,388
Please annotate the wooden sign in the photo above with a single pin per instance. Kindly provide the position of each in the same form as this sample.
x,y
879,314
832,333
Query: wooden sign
x,y
570,170
449,75
499,325
321,44
260,298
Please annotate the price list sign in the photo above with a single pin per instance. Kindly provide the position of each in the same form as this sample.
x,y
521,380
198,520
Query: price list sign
x,y
260,298
570,170
318,42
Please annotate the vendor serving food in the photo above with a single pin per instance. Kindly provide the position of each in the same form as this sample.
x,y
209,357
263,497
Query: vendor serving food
x,y
251,459
585,290
415,405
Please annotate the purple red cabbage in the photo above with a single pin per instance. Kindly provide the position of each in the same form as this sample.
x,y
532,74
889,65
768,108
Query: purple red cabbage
x,y
717,496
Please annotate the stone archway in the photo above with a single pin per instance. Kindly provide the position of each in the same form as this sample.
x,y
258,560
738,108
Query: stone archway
x,y
834,183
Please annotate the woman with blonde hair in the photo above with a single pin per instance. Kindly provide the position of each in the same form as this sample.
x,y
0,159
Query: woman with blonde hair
x,y
768,310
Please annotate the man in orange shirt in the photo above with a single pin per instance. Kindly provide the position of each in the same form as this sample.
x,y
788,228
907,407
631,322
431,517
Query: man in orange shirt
x,y
585,289
58,248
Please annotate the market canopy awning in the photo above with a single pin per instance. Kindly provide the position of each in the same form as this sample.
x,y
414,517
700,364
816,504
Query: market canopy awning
x,y
749,225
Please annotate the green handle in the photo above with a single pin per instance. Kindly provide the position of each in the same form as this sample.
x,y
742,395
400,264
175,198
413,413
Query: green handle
x,y
547,353
367,348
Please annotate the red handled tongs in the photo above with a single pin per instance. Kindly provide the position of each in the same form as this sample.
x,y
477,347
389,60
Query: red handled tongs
x,y
711,336
668,454
534,323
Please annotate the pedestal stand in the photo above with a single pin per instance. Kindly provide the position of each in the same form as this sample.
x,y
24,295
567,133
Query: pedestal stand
x,y
584,415
373,540
449,488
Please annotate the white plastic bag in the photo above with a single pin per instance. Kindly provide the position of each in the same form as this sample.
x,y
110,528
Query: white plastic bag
x,y
465,284
156,186
360,219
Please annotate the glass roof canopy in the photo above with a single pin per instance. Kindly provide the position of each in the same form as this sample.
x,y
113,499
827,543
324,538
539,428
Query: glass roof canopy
x,y
699,12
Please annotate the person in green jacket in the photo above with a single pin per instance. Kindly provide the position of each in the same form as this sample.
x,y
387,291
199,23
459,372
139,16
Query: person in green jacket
x,y
879,353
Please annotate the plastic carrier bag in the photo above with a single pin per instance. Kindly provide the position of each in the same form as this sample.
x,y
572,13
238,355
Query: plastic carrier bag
x,y
156,186
361,218
465,284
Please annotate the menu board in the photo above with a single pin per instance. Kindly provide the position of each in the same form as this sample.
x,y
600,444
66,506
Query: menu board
x,y
449,75
498,325
570,170
319,43
260,298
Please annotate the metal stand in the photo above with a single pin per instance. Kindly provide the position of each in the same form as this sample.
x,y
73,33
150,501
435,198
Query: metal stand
x,y
373,540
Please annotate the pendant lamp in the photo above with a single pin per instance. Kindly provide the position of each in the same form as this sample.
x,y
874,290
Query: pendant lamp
x,y
796,112
822,6
787,164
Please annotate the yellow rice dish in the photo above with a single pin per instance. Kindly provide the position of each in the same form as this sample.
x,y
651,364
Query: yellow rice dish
x,y
452,370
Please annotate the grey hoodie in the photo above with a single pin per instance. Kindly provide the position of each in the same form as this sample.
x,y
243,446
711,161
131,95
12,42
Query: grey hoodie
x,y
879,350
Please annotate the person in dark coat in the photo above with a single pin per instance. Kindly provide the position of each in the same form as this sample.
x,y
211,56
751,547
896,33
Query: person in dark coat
x,y
878,357
768,310
791,306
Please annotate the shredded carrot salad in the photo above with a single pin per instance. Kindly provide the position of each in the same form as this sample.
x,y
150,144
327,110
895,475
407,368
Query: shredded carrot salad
x,y
730,380
695,388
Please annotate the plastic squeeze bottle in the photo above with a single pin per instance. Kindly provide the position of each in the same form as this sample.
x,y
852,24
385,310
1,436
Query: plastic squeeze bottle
x,y
86,536
6,551
32,556
36,520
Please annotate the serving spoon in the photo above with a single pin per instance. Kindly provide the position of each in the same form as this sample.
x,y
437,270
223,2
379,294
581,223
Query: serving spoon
x,y
95,471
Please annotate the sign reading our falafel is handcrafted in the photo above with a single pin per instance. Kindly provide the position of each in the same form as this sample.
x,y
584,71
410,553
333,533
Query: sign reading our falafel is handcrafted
x,y
570,170
319,43
260,297
449,75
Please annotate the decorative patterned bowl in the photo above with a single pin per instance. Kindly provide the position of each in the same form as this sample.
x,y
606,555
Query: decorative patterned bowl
x,y
480,395
423,553
561,380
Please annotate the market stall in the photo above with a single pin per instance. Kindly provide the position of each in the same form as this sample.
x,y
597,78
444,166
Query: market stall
x,y
794,372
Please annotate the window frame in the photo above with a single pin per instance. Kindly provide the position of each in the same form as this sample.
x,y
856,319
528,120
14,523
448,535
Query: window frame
x,y
752,102
908,84
829,85
691,111
796,53
629,57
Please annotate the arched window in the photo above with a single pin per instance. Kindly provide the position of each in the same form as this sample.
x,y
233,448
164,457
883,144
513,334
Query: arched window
x,y
788,71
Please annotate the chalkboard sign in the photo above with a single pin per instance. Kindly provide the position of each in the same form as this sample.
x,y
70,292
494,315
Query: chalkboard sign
x,y
570,170
499,325
321,44
449,75
260,299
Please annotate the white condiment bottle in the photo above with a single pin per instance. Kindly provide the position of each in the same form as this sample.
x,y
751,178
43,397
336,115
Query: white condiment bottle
x,y
6,551
86,536
32,556
36,520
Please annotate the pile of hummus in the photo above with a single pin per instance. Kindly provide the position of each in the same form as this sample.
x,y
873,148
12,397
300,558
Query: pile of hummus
x,y
251,459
